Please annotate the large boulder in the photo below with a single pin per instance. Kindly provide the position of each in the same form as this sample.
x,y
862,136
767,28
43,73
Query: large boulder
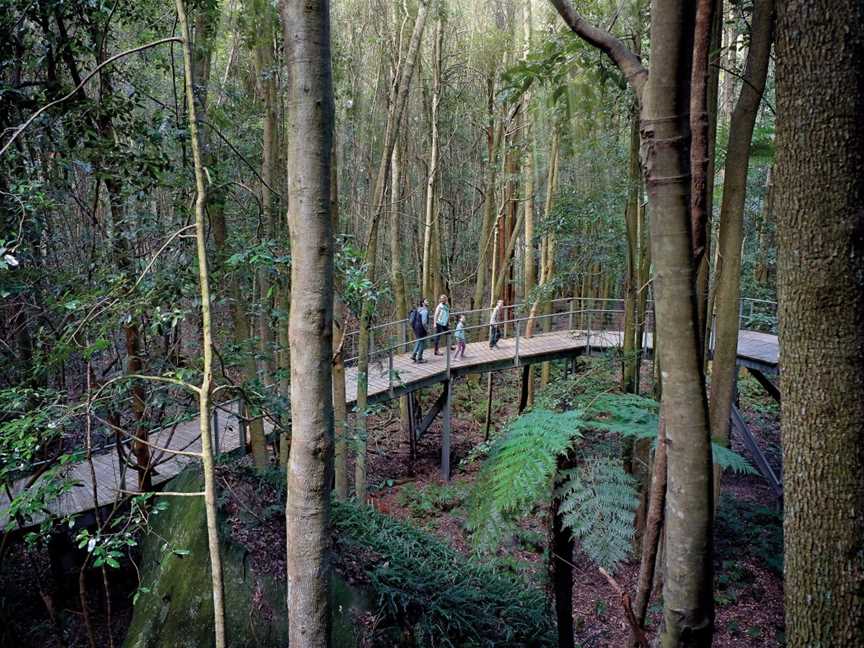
x,y
174,607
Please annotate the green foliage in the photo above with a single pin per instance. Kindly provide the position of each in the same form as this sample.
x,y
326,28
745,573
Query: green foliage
x,y
431,499
728,459
755,529
598,500
597,497
444,598
520,470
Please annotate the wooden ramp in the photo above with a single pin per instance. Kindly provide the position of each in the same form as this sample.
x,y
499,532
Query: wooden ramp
x,y
113,483
390,376
386,382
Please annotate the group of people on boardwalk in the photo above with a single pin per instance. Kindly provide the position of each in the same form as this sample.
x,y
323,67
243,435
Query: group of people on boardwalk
x,y
421,325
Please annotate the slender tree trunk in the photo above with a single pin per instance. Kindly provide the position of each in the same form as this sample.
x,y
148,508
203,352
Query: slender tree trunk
x,y
653,528
528,256
687,595
204,407
340,407
266,74
398,100
550,241
430,262
562,578
309,155
728,283
485,245
699,150
819,198
632,270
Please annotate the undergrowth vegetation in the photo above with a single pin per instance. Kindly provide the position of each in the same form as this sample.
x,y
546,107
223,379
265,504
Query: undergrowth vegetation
x,y
569,448
434,594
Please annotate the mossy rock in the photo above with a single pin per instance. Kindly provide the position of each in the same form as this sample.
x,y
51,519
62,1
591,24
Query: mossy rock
x,y
174,608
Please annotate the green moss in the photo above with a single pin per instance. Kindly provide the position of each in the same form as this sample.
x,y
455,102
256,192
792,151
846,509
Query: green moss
x,y
175,604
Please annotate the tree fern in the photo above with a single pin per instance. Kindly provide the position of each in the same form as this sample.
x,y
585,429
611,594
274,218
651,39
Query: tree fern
x,y
520,470
598,500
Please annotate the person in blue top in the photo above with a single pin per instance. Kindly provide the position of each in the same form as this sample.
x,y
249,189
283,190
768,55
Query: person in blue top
x,y
459,334
441,319
418,318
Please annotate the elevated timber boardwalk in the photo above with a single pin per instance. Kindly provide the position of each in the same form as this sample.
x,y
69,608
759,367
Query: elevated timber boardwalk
x,y
567,329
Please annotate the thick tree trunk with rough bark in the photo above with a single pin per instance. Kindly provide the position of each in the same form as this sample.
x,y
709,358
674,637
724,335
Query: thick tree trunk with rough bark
x,y
724,368
819,198
664,95
309,156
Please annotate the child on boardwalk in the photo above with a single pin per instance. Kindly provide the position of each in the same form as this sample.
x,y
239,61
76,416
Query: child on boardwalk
x,y
460,338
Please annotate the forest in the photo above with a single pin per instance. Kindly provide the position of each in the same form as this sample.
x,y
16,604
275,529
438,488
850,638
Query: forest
x,y
431,323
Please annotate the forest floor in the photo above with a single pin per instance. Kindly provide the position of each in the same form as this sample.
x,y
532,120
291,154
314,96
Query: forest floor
x,y
748,535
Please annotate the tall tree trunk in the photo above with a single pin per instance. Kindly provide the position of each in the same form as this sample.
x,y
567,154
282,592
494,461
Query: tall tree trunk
x,y
632,277
819,198
266,81
398,100
309,155
728,283
687,593
699,151
549,247
485,244
204,389
528,256
430,262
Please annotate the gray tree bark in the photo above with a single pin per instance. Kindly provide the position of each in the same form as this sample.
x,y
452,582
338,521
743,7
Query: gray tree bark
x,y
310,140
819,198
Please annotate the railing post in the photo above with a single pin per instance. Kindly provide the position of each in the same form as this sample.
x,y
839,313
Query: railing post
x,y
516,354
447,352
740,313
390,369
588,339
405,335
570,321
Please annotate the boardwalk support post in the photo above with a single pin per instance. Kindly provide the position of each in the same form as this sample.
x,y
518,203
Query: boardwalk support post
x,y
516,353
445,433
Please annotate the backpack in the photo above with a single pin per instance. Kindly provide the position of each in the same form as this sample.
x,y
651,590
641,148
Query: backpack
x,y
413,318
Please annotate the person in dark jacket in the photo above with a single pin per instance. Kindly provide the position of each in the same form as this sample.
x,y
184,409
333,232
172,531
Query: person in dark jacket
x,y
419,320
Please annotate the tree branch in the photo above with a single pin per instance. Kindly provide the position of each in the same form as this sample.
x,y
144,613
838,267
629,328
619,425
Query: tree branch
x,y
626,60
84,81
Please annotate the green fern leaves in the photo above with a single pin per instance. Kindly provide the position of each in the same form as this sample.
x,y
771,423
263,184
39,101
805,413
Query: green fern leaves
x,y
520,471
598,500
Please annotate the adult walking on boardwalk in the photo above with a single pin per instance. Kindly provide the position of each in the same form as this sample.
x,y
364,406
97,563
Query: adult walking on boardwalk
x,y
419,320
442,320
495,324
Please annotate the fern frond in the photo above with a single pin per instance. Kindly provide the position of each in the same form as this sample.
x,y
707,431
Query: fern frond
x,y
728,459
597,502
628,415
520,471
